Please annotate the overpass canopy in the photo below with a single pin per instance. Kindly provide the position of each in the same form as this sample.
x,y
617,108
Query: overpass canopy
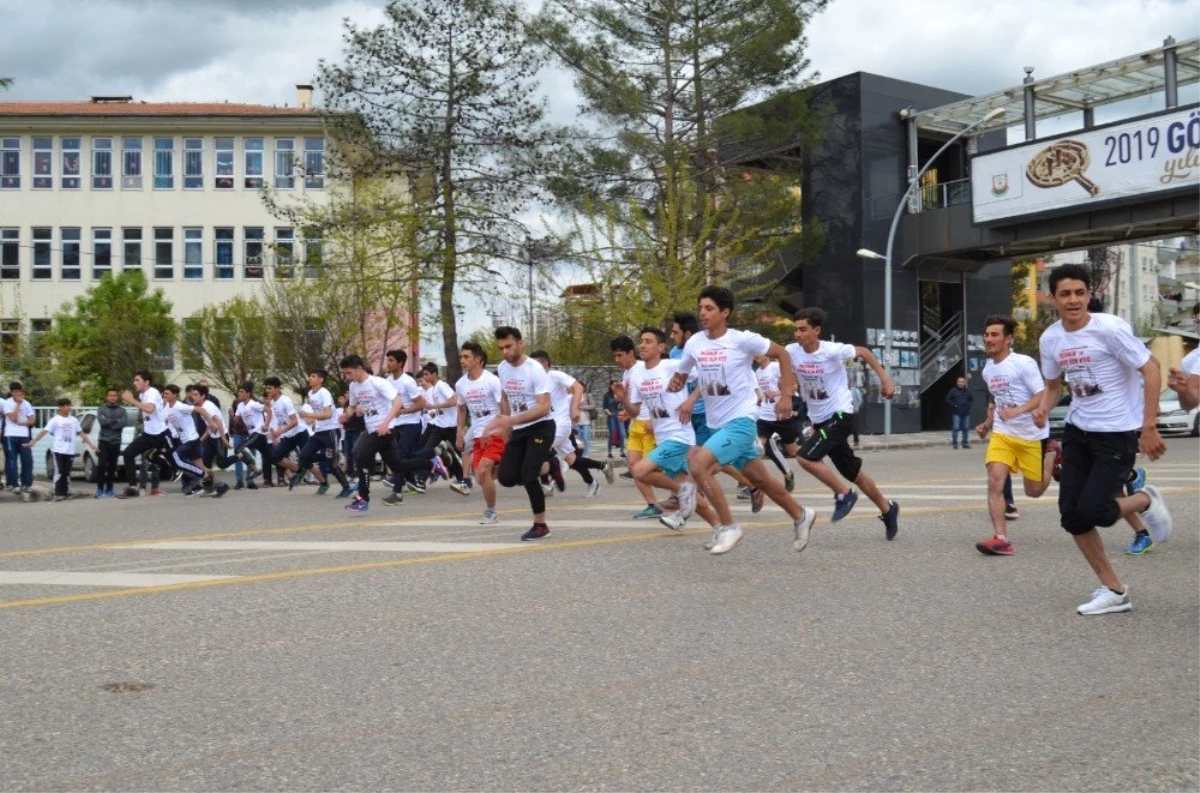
x,y
1115,81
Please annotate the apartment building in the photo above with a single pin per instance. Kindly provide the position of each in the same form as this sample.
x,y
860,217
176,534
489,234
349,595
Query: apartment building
x,y
170,189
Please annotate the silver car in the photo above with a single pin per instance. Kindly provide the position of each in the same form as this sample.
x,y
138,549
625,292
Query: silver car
x,y
1173,419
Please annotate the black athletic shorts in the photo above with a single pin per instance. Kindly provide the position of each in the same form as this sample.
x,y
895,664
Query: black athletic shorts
x,y
830,439
785,429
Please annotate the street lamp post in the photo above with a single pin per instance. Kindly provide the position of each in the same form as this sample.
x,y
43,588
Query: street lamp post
x,y
866,253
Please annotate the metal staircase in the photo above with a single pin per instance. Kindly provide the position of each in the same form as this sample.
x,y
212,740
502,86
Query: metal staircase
x,y
941,351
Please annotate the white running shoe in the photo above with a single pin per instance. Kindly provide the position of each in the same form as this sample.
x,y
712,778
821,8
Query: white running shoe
x,y
547,490
1105,601
609,474
1157,516
687,500
712,538
489,517
593,489
673,521
802,527
727,540
460,487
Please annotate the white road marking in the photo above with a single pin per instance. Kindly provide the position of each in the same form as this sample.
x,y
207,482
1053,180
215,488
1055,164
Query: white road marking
x,y
330,547
121,580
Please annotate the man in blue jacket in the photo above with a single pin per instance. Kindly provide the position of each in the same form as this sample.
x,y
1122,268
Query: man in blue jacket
x,y
959,399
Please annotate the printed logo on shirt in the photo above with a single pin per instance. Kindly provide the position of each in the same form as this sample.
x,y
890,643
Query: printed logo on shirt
x,y
1076,364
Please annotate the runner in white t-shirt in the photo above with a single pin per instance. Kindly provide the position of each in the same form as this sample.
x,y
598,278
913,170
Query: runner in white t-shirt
x,y
1018,443
286,432
639,439
153,443
723,358
436,455
379,404
318,453
479,392
566,393
820,371
253,416
407,426
525,413
772,432
1185,380
188,456
65,429
1101,359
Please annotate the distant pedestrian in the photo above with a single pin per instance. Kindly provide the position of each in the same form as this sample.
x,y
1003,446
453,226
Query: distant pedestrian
x,y
113,418
856,398
587,414
612,413
959,399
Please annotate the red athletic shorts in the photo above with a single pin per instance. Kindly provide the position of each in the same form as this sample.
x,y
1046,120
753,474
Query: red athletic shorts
x,y
489,447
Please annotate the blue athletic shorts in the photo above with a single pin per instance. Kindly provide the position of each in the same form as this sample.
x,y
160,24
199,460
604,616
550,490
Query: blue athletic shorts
x,y
734,444
671,457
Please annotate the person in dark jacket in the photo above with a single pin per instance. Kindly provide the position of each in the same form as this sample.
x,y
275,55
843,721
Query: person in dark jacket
x,y
959,399
113,418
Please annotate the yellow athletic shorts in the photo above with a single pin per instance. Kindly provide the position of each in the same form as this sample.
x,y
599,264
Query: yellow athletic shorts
x,y
641,438
1017,454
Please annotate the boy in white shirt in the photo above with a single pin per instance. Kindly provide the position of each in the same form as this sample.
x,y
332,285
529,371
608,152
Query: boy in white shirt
x,y
18,421
1101,359
479,394
379,404
319,452
65,429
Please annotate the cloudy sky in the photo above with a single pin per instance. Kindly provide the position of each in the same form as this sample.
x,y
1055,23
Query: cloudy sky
x,y
256,50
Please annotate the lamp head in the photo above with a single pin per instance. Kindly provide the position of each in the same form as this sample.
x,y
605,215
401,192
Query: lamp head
x,y
994,113
867,253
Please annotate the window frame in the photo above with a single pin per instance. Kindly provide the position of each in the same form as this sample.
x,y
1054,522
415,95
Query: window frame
x,y
285,241
128,239
65,152
164,252
254,265
38,329
133,162
42,172
314,177
43,248
254,181
102,152
288,173
10,339
11,151
164,155
70,253
98,241
313,241
193,154
10,252
224,180
224,271
193,253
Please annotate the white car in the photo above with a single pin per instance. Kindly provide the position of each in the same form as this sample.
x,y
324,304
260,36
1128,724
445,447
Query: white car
x,y
86,463
1174,419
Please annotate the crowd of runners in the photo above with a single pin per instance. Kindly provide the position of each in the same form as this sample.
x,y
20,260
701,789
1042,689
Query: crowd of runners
x,y
711,402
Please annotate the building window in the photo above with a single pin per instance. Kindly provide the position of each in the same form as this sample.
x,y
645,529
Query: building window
x,y
164,359
102,164
38,328
254,163
193,345
193,254
285,252
102,253
132,254
131,163
72,162
254,252
223,250
164,163
10,339
164,254
193,163
312,253
43,240
10,254
223,157
43,163
314,163
10,163
72,245
285,163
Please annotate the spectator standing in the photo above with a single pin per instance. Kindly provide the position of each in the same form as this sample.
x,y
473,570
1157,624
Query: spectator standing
x,y
113,418
18,420
856,399
587,413
959,399
612,414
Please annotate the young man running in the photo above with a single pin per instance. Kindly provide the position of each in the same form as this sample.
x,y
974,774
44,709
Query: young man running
x,y
441,410
380,404
479,393
1101,359
321,444
525,412
153,442
188,456
1018,443
65,429
566,393
406,426
723,356
287,433
640,439
820,368
253,416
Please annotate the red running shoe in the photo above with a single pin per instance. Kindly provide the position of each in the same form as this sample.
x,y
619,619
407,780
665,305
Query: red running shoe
x,y
995,547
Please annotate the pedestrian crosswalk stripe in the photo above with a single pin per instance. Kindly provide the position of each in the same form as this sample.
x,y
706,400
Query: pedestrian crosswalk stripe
x,y
122,580
332,546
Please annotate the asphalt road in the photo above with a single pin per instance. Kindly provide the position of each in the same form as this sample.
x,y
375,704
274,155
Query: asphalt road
x,y
242,644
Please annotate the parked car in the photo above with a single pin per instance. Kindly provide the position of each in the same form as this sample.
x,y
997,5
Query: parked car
x,y
1058,416
86,463
1174,419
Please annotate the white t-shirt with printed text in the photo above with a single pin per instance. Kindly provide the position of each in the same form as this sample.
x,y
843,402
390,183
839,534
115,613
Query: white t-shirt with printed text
x,y
64,430
282,410
407,388
821,378
178,419
767,378
152,422
319,401
725,373
522,385
251,414
561,384
482,399
444,418
1012,383
1101,362
374,395
24,411
648,388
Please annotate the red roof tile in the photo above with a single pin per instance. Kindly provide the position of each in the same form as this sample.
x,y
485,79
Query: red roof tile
x,y
146,109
